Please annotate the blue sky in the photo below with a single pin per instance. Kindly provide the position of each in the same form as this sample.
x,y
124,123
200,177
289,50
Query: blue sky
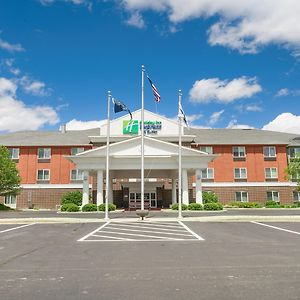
x,y
236,66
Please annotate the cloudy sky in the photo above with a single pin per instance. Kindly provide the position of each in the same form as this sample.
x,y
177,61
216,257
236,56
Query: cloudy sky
x,y
238,63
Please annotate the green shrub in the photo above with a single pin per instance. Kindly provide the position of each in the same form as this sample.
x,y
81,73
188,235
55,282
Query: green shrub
x,y
213,206
209,197
74,197
4,207
175,206
244,204
195,206
89,207
297,204
70,207
271,204
111,207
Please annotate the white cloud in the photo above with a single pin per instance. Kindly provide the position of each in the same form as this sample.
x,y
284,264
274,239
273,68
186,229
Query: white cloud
x,y
75,2
233,124
10,47
136,20
242,25
282,92
214,118
34,87
253,107
15,115
9,64
285,122
224,91
82,125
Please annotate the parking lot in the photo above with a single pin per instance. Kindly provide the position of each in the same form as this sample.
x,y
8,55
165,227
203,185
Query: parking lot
x,y
150,260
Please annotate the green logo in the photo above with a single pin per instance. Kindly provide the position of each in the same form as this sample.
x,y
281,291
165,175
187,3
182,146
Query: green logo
x,y
131,127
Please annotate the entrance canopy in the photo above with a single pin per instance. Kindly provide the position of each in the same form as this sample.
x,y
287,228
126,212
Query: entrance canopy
x,y
126,155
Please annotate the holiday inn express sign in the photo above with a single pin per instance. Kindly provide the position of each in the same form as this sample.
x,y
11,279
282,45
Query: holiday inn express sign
x,y
132,126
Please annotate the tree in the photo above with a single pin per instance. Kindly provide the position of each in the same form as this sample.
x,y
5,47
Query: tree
x,y
9,174
293,169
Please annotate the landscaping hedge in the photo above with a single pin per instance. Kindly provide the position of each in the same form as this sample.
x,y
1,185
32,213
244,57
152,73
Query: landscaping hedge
x,y
244,204
209,197
70,207
213,206
4,207
175,206
74,197
195,206
111,207
89,207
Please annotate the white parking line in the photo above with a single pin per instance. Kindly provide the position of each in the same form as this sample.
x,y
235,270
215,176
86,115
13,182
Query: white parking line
x,y
275,227
18,227
114,231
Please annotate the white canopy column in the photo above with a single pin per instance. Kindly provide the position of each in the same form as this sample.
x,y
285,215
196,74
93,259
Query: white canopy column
x,y
110,194
99,187
85,188
199,186
174,200
185,187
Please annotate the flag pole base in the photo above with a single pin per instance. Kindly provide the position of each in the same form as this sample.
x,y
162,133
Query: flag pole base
x,y
142,213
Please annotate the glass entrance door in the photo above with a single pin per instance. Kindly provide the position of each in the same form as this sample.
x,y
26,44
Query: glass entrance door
x,y
135,200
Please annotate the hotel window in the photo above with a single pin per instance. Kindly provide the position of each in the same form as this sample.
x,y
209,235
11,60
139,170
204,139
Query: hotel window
x,y
74,151
14,153
43,175
44,153
207,149
10,200
76,174
240,173
271,173
296,196
239,152
241,196
207,173
270,152
293,152
273,195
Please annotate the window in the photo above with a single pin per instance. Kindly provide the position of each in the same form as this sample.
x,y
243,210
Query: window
x,y
240,173
239,152
207,173
241,196
76,175
273,195
14,153
10,200
293,152
270,152
74,151
44,153
207,149
296,196
271,173
43,175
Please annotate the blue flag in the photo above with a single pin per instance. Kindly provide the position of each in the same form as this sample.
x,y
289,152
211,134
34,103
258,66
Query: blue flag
x,y
120,106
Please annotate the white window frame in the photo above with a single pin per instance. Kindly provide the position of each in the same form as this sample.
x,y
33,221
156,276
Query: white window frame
x,y
10,200
208,173
77,174
273,173
242,194
298,196
14,153
267,152
46,153
76,150
242,173
240,150
272,196
207,149
43,173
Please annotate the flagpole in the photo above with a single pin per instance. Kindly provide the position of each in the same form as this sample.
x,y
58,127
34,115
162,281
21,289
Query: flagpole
x,y
107,156
142,142
179,158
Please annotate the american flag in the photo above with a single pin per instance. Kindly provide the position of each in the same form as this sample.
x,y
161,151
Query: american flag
x,y
155,91
181,114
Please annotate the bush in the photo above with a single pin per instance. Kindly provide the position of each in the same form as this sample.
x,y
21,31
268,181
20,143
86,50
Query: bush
x,y
70,207
272,204
72,197
4,207
89,207
195,206
213,206
209,197
175,206
244,204
111,207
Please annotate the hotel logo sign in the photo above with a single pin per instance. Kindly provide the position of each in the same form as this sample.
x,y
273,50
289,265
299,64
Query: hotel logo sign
x,y
150,127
